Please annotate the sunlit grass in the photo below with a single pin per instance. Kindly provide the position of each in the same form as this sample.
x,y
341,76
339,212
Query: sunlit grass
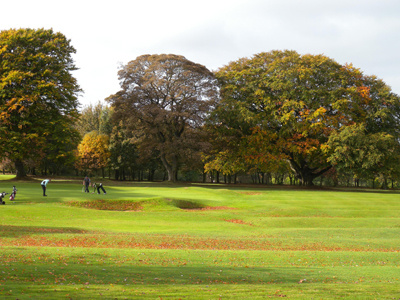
x,y
152,241
6,177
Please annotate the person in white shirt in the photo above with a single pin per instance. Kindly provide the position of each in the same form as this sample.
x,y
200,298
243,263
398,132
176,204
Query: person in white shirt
x,y
44,184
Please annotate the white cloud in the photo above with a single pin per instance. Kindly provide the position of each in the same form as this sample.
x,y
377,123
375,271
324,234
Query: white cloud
x,y
214,32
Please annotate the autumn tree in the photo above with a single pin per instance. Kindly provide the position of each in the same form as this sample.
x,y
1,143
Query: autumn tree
x,y
93,152
38,94
166,98
294,102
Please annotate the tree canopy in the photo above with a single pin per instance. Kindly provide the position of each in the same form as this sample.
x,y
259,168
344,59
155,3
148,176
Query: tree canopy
x,y
95,117
293,103
365,154
277,113
165,99
37,92
93,152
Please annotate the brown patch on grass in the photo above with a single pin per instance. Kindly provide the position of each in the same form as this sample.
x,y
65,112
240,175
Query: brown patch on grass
x,y
250,193
104,240
238,221
116,205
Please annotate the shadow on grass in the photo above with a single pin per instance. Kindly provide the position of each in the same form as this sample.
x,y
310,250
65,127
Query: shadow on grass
x,y
18,231
262,187
82,271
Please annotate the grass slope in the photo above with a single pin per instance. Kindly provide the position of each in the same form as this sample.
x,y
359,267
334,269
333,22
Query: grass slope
x,y
165,241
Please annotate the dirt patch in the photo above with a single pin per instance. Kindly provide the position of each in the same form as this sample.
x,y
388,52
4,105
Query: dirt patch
x,y
175,242
127,205
238,221
250,193
116,205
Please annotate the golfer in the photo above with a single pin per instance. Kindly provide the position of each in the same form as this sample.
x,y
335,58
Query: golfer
x,y
86,183
44,184
100,186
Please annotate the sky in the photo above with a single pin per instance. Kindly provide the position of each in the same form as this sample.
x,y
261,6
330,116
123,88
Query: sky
x,y
109,34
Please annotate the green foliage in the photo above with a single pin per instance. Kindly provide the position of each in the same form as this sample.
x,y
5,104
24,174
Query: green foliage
x,y
123,152
363,153
294,102
95,118
37,91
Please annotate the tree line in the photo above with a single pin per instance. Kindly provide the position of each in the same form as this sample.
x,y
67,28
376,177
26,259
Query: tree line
x,y
276,117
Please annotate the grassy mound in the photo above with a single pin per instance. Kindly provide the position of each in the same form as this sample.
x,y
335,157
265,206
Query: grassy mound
x,y
117,205
128,205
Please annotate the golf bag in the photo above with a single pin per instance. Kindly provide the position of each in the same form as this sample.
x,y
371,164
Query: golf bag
x,y
13,193
2,195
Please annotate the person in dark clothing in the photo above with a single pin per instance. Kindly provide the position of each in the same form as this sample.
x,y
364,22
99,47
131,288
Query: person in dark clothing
x,y
86,183
100,186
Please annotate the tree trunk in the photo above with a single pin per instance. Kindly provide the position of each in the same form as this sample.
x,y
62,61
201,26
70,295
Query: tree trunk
x,y
171,168
151,174
385,185
306,174
19,166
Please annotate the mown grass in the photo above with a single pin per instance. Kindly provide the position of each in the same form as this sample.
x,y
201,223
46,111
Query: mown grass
x,y
165,241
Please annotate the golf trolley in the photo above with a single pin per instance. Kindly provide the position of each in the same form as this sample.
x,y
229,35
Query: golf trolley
x,y
12,196
2,195
13,193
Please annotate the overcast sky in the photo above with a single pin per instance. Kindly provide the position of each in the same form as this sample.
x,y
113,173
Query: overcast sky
x,y
107,34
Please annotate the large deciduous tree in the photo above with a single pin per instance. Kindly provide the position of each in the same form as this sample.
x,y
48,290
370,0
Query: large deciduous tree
x,y
37,92
294,102
165,98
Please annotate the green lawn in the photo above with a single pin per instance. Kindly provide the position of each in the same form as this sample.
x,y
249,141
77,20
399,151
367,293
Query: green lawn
x,y
194,241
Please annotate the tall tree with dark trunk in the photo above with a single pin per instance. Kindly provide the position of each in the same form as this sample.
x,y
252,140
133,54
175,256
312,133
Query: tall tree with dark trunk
x,y
37,91
165,98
